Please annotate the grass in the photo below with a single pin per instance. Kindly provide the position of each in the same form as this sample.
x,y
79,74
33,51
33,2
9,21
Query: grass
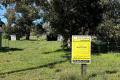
x,y
43,60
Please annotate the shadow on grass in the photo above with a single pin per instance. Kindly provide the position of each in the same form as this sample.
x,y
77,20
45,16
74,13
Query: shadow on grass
x,y
67,52
33,40
49,65
29,40
67,55
58,50
7,49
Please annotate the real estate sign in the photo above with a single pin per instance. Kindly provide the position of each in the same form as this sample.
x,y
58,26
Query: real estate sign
x,y
81,49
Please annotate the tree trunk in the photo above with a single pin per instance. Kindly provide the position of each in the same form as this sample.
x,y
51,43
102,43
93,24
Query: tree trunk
x,y
27,33
17,36
28,36
65,41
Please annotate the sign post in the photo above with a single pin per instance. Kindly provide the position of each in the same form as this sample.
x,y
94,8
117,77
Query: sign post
x,y
81,52
83,71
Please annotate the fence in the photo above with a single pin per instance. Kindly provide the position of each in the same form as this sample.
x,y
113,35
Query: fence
x,y
98,47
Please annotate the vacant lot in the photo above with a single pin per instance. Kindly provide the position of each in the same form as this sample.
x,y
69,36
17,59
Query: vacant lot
x,y
42,60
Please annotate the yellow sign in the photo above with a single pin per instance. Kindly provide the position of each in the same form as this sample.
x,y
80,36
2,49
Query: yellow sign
x,y
81,49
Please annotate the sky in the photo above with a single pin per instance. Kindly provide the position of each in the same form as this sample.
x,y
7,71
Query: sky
x,y
3,11
38,21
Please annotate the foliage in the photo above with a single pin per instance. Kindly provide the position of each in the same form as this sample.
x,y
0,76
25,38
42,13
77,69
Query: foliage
x,y
109,30
91,17
28,15
110,26
72,17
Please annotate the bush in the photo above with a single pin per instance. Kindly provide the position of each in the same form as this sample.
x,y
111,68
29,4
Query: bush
x,y
99,46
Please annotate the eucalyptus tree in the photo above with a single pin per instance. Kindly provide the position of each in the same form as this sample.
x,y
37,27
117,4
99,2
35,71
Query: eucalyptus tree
x,y
29,10
28,15
73,17
110,26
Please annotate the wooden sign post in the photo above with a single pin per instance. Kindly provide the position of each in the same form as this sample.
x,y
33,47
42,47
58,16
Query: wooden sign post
x,y
81,52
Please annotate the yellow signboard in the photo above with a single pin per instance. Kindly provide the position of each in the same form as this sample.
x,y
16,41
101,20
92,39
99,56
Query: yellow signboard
x,y
81,49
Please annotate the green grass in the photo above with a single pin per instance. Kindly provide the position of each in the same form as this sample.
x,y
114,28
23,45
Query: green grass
x,y
42,60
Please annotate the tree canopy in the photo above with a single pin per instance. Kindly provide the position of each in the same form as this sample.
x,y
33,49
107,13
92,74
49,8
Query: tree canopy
x,y
110,26
73,17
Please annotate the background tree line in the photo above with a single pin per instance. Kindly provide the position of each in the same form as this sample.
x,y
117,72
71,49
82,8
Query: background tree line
x,y
99,18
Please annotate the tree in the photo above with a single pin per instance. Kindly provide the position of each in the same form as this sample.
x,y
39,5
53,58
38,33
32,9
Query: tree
x,y
110,26
73,17
28,15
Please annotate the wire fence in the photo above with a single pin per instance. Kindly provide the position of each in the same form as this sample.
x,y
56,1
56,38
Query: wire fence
x,y
106,47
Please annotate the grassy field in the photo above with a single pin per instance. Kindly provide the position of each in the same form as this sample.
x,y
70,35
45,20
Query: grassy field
x,y
42,60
